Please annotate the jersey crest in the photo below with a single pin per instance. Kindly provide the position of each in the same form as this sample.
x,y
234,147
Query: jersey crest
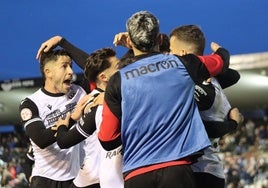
x,y
26,114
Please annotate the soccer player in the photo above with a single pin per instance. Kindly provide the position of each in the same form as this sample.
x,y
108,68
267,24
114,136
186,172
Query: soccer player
x,y
212,103
53,167
98,68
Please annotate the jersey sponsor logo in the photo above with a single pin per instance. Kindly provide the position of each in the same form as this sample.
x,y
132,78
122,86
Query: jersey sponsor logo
x,y
26,114
52,117
151,68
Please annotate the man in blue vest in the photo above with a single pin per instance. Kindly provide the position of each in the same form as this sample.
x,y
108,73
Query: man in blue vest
x,y
149,108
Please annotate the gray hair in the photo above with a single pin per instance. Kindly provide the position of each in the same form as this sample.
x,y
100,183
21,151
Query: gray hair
x,y
143,30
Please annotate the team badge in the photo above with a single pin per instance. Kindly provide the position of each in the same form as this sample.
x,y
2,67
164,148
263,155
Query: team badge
x,y
26,114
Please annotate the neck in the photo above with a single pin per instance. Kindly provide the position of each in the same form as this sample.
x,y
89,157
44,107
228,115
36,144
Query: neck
x,y
101,85
50,88
138,52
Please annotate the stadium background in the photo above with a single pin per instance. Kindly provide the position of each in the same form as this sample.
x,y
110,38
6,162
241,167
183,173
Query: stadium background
x,y
239,25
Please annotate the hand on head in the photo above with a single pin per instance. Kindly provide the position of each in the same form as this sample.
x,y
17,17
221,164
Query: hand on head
x,y
120,39
47,45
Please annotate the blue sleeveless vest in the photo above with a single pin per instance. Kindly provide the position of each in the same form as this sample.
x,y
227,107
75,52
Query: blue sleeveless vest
x,y
160,119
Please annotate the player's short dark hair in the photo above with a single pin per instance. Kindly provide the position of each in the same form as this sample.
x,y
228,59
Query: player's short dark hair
x,y
97,62
51,55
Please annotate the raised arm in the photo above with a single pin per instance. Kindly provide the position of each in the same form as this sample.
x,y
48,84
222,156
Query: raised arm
x,y
78,55
214,65
201,68
228,78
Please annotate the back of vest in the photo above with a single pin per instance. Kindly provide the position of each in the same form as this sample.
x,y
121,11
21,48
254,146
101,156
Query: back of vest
x,y
160,120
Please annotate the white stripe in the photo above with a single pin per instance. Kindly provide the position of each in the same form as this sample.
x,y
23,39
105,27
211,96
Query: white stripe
x,y
81,131
31,121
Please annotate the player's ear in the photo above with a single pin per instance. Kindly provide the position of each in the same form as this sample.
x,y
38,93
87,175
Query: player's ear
x,y
102,77
183,52
47,72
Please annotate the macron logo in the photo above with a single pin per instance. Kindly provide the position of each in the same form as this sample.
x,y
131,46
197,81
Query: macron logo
x,y
151,68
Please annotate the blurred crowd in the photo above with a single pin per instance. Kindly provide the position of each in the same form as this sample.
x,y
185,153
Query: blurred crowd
x,y
244,152
13,149
245,155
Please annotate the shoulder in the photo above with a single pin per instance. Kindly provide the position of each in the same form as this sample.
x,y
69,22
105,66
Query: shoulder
x,y
27,102
27,109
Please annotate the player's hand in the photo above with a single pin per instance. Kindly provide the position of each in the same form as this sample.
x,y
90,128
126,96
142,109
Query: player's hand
x,y
79,108
214,46
120,39
234,114
97,101
61,121
47,45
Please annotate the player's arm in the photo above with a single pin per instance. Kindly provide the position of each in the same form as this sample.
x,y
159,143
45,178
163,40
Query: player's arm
x,y
70,137
34,126
216,129
228,78
78,55
201,68
110,133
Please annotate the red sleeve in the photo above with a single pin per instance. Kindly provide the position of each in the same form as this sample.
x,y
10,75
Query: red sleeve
x,y
213,63
110,126
201,68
